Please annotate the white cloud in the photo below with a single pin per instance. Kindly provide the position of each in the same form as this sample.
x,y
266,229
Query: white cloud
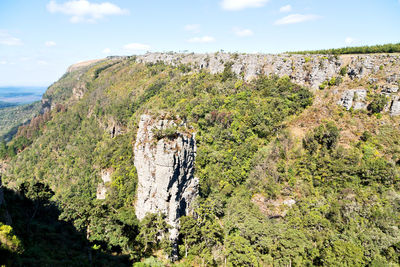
x,y
8,39
106,51
192,28
50,43
242,32
349,40
136,47
85,11
3,62
285,9
203,39
242,4
296,18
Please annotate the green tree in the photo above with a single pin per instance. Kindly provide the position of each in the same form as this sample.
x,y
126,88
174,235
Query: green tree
x,y
377,104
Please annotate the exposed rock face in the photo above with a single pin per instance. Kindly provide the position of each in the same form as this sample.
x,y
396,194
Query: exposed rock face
x,y
395,107
356,96
313,71
359,99
308,70
393,78
78,91
165,169
273,208
389,89
347,99
102,187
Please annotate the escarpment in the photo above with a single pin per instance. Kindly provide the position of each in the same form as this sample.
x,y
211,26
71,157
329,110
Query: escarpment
x,y
307,70
164,159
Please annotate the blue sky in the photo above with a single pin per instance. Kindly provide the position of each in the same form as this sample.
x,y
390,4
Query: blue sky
x,y
40,39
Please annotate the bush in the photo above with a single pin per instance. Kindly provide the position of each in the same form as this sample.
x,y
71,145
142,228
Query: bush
x,y
365,136
378,103
8,241
343,71
325,135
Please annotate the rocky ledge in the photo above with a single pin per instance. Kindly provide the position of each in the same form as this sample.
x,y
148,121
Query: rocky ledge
x,y
307,70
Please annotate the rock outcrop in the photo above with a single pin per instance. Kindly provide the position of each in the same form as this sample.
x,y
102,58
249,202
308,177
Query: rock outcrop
x,y
395,107
273,208
310,71
307,70
164,159
356,96
102,187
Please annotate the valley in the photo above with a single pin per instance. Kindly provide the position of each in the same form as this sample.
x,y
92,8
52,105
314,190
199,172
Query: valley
x,y
183,159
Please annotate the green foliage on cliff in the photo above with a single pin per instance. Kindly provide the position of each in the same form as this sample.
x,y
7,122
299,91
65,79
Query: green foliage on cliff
x,y
266,198
386,48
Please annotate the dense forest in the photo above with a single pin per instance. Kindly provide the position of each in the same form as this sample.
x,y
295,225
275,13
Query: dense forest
x,y
385,48
267,196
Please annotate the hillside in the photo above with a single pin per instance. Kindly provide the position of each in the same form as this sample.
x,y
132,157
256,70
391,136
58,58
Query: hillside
x,y
12,116
211,159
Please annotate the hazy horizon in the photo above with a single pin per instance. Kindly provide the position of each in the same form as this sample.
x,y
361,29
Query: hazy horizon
x,y
21,94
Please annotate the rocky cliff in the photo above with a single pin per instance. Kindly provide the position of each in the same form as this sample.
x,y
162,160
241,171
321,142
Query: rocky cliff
x,y
380,70
309,70
375,70
164,159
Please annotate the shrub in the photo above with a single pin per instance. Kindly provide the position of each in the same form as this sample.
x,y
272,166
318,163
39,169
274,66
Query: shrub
x,y
8,241
365,136
326,135
377,104
343,71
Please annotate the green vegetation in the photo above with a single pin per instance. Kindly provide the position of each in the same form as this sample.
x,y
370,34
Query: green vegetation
x,y
377,104
345,204
38,238
11,117
8,241
386,48
334,81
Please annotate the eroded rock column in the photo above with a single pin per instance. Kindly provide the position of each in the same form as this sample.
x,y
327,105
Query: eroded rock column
x,y
164,159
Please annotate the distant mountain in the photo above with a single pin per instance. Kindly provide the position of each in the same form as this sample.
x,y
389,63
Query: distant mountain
x,y
21,95
17,106
6,105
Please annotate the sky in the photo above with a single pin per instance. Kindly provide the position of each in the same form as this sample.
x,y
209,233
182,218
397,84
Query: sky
x,y
40,39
